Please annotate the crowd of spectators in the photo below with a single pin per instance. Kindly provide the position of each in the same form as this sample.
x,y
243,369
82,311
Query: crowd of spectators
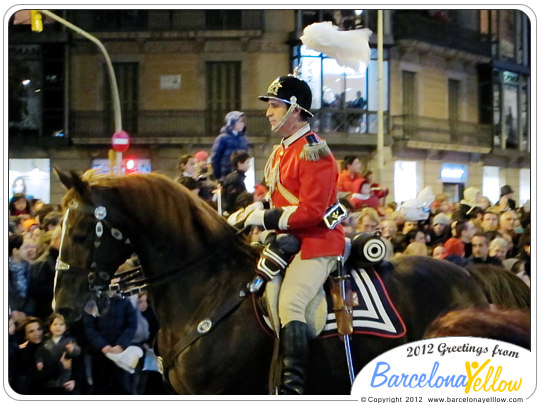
x,y
47,356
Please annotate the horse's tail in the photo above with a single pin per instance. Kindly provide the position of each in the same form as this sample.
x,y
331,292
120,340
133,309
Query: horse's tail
x,y
502,288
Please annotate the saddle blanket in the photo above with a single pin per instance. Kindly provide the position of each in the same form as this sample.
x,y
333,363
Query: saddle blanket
x,y
373,312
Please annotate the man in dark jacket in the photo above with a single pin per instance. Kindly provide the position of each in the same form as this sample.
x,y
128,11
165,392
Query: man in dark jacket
x,y
112,332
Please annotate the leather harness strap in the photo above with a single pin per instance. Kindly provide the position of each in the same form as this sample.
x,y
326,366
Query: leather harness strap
x,y
204,327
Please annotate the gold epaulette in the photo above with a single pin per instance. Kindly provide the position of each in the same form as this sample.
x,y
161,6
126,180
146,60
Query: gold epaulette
x,y
314,152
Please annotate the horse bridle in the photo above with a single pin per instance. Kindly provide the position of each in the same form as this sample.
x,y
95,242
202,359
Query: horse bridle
x,y
131,281
98,277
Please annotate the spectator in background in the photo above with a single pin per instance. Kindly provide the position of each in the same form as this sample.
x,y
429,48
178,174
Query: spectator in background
x,y
375,188
439,232
439,252
415,235
22,252
442,204
507,229
112,332
41,283
26,378
471,199
20,205
203,175
455,252
363,197
234,183
490,223
350,172
53,358
187,167
368,220
416,249
480,251
15,224
485,204
506,200
232,137
498,248
465,230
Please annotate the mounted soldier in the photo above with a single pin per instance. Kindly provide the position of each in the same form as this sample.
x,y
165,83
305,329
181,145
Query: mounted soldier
x,y
301,174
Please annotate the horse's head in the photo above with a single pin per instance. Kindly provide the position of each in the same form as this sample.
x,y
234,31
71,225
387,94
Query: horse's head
x,y
92,247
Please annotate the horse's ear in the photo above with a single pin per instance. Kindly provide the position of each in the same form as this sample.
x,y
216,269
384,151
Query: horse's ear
x,y
80,185
64,177
73,180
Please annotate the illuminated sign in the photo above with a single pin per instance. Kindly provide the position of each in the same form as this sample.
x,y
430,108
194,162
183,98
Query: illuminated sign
x,y
31,177
453,173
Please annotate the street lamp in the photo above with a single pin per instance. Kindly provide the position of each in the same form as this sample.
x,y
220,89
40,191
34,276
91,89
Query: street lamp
x,y
37,25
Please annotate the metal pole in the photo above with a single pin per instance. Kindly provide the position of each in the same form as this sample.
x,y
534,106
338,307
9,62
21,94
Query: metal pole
x,y
112,77
380,99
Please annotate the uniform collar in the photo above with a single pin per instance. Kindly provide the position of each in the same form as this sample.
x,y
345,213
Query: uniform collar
x,y
286,142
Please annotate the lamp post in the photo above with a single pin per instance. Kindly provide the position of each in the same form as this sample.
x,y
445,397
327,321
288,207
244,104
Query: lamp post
x,y
110,70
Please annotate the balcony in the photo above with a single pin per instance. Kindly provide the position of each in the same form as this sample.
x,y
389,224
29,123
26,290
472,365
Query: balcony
x,y
441,134
411,26
160,127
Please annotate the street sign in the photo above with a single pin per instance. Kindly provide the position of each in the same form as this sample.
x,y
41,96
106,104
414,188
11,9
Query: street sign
x,y
120,141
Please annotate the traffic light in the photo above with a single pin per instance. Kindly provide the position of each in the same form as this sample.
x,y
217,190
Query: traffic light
x,y
130,165
36,21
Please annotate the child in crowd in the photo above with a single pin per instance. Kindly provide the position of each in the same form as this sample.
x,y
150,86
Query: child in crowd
x,y
54,357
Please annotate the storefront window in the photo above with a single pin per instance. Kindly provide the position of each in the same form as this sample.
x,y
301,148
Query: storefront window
x,y
490,183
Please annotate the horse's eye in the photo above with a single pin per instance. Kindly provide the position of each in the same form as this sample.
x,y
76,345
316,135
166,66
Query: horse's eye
x,y
82,232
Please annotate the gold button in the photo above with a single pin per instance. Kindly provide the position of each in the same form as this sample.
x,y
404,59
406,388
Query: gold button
x,y
281,152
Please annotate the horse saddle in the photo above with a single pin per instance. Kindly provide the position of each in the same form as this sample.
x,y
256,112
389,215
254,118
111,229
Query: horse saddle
x,y
365,308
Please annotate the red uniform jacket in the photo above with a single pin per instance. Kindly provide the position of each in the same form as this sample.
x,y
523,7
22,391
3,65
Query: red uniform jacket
x,y
313,181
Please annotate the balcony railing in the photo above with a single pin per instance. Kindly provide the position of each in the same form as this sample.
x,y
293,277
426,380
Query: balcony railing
x,y
350,125
408,25
441,131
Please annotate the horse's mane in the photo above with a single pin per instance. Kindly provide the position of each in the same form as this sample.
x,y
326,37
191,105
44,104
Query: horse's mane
x,y
157,202
502,287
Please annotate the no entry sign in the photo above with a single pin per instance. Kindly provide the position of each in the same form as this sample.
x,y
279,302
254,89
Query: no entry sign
x,y
120,141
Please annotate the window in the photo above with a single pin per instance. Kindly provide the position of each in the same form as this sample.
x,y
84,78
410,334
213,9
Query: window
x,y
223,19
222,92
405,180
524,186
490,183
341,91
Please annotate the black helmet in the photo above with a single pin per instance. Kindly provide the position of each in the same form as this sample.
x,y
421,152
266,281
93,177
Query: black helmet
x,y
290,90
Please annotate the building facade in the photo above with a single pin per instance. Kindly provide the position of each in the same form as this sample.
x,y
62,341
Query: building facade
x,y
455,91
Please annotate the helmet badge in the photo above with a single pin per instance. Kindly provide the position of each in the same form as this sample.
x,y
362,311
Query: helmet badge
x,y
274,87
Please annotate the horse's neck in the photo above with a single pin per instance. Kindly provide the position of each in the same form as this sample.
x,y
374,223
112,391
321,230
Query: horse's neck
x,y
194,293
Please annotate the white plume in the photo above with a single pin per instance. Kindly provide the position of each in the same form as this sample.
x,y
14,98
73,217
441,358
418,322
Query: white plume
x,y
349,48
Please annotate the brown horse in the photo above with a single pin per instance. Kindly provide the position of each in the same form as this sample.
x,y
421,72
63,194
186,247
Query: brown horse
x,y
196,268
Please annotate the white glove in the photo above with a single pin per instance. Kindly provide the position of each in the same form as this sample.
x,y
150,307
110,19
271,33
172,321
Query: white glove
x,y
256,206
256,218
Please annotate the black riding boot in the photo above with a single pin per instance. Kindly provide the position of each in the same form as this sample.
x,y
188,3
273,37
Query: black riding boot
x,y
295,354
